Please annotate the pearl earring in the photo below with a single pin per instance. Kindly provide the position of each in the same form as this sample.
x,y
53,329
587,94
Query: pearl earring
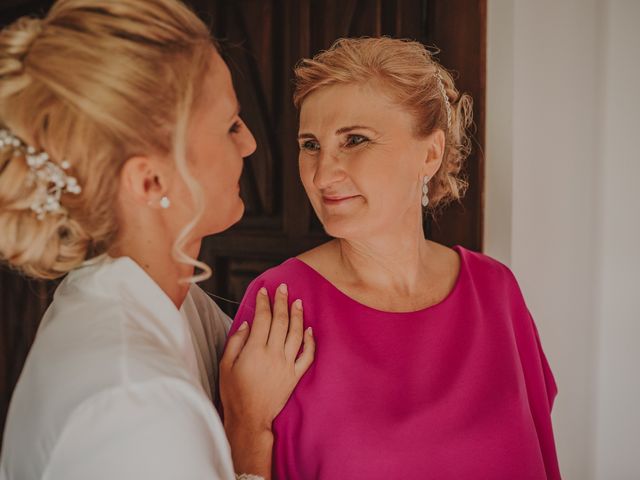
x,y
425,191
165,202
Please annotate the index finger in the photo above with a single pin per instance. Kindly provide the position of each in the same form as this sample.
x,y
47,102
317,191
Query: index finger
x,y
261,320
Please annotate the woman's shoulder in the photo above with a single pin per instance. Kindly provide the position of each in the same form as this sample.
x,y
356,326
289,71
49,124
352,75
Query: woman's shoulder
x,y
301,269
124,340
483,267
320,255
491,279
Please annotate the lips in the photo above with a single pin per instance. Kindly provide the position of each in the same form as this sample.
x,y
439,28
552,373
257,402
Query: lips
x,y
338,200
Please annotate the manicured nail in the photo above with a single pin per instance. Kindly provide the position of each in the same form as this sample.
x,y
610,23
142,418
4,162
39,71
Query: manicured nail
x,y
283,288
310,331
263,291
298,304
243,326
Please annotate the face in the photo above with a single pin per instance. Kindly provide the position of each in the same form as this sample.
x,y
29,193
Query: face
x,y
218,140
360,161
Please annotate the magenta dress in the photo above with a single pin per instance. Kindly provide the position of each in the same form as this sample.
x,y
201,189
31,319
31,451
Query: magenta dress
x,y
459,390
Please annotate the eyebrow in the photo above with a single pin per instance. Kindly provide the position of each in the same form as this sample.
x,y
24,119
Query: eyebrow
x,y
340,131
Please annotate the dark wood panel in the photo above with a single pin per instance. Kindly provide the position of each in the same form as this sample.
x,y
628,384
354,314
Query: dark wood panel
x,y
263,40
22,304
458,29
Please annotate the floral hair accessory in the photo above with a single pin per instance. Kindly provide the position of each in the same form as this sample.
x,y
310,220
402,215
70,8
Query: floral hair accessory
x,y
50,179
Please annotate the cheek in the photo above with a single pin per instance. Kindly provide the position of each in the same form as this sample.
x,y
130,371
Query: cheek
x,y
306,168
222,167
386,184
371,176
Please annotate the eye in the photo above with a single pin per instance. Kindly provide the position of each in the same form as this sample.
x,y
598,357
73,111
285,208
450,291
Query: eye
x,y
355,140
310,145
235,128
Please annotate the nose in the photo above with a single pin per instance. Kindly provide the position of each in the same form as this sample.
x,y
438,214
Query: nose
x,y
328,171
247,142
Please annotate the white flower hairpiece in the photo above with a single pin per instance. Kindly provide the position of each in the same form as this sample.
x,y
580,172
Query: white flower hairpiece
x,y
50,179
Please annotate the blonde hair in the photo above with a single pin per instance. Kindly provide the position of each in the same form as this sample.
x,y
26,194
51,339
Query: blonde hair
x,y
95,82
408,72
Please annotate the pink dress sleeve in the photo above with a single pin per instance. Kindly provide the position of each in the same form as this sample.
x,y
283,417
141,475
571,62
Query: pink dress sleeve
x,y
540,382
247,308
549,380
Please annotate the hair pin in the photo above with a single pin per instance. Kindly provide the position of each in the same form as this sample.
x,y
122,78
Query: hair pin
x,y
50,179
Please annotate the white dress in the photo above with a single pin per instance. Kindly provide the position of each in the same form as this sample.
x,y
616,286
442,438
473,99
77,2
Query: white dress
x,y
119,384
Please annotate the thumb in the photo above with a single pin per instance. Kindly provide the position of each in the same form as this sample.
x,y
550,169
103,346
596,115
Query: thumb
x,y
235,344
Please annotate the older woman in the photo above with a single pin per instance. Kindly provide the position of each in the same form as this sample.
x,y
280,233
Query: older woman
x,y
429,364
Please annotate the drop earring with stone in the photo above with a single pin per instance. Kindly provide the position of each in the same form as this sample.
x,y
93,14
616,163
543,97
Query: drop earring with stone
x,y
425,191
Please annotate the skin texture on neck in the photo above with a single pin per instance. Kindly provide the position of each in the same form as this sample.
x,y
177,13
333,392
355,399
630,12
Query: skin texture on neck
x,y
388,277
397,263
149,243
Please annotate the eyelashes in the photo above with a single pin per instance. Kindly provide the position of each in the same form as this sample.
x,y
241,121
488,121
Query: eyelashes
x,y
310,145
352,141
355,140
235,128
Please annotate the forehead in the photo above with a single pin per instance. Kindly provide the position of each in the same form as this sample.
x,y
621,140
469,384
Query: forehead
x,y
217,92
350,104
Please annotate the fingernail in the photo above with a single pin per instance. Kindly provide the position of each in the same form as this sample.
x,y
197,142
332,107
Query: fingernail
x,y
310,331
298,304
283,288
243,326
263,291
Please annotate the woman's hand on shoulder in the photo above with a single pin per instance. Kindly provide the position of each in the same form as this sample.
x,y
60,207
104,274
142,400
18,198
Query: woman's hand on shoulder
x,y
261,366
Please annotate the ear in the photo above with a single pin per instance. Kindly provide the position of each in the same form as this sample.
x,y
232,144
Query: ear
x,y
435,153
145,180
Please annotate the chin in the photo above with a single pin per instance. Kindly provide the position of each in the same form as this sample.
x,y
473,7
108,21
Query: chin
x,y
343,228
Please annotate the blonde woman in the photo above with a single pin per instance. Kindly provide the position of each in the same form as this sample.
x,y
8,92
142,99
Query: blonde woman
x,y
119,124
429,364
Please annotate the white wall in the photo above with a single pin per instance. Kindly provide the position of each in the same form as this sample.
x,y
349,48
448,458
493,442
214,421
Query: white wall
x,y
618,380
562,114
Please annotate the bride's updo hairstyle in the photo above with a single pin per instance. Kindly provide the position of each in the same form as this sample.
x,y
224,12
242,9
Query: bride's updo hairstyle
x,y
92,84
407,73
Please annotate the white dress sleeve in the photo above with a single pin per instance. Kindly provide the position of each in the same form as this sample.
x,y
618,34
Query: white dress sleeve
x,y
160,429
209,327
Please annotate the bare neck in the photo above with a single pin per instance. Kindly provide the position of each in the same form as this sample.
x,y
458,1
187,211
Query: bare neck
x,y
152,252
393,263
